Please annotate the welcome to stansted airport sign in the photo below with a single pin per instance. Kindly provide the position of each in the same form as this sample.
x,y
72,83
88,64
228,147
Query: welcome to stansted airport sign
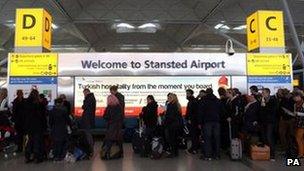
x,y
85,64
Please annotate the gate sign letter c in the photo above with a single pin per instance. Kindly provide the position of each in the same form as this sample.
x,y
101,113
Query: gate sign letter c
x,y
251,30
268,23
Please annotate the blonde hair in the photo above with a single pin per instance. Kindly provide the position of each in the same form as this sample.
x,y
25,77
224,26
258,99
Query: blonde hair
x,y
175,100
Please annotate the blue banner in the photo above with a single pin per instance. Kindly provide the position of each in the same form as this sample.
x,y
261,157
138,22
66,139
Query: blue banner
x,y
33,80
277,79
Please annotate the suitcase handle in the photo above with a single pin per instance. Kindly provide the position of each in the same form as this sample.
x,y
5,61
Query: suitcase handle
x,y
230,132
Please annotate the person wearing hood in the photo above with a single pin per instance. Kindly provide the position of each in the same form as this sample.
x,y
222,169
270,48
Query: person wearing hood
x,y
149,113
210,111
191,117
89,108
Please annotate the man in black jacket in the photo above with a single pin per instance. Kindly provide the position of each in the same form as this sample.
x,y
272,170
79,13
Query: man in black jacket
x,y
89,108
58,121
191,117
210,111
19,118
267,119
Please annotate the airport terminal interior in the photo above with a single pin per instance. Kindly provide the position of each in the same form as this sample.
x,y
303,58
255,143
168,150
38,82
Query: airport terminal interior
x,y
133,85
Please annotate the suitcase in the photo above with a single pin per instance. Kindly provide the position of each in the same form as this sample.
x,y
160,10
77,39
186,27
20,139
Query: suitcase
x,y
259,153
236,152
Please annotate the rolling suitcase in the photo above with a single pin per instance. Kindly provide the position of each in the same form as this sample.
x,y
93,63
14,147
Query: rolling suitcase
x,y
236,151
140,142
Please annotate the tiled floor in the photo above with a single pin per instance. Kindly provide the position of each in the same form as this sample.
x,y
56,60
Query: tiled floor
x,y
132,162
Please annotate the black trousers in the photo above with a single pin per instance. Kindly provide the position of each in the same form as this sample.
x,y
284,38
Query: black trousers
x,y
171,138
268,137
34,146
194,133
19,138
60,149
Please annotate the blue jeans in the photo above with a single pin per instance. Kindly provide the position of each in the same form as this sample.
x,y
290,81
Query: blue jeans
x,y
211,134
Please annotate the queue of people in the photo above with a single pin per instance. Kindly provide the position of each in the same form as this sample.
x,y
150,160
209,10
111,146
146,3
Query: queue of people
x,y
258,117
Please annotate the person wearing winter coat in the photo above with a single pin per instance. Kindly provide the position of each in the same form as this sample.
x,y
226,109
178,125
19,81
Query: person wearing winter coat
x,y
114,119
66,103
89,109
299,113
119,96
19,118
59,121
35,127
210,111
234,111
149,113
172,122
267,120
191,117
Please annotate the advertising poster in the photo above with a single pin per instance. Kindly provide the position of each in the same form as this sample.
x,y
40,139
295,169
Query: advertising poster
x,y
136,89
273,83
33,64
153,64
45,85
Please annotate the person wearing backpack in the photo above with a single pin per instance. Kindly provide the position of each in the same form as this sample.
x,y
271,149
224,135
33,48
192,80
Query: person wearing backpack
x,y
114,117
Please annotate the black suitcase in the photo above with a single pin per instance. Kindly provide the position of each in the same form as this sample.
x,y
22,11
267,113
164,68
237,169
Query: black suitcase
x,y
140,142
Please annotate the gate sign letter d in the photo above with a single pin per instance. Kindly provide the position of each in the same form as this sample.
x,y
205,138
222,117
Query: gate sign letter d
x,y
47,25
29,21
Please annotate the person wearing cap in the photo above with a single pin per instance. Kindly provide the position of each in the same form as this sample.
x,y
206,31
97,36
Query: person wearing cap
x,y
210,111
299,110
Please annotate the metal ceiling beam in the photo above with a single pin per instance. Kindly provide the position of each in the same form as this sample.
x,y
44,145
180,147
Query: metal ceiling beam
x,y
57,5
293,31
203,21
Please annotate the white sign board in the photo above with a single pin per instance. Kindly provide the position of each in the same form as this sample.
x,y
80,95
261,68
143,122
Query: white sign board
x,y
136,89
123,64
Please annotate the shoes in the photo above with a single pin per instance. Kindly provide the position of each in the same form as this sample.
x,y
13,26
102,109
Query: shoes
x,y
190,151
28,161
272,160
207,159
170,155
38,161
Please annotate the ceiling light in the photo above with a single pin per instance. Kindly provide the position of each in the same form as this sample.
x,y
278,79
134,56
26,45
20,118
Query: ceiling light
x,y
218,26
126,25
225,27
241,27
147,25
54,26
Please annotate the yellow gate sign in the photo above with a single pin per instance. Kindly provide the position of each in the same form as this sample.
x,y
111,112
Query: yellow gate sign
x,y
33,28
265,29
33,64
269,64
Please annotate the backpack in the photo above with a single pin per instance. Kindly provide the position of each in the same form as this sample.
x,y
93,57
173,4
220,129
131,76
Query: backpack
x,y
157,148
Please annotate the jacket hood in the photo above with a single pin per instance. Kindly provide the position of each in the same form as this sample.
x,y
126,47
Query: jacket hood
x,y
153,104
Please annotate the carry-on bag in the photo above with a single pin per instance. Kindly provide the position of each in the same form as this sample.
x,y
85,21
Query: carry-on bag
x,y
236,151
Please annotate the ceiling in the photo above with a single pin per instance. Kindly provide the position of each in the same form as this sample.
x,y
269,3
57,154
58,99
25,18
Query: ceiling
x,y
185,25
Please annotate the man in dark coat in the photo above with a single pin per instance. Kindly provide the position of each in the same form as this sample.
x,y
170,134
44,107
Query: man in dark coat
x,y
89,108
121,98
66,103
267,119
35,126
191,117
19,119
210,113
58,121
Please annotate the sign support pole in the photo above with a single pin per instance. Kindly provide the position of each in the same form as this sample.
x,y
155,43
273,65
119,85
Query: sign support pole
x,y
293,31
